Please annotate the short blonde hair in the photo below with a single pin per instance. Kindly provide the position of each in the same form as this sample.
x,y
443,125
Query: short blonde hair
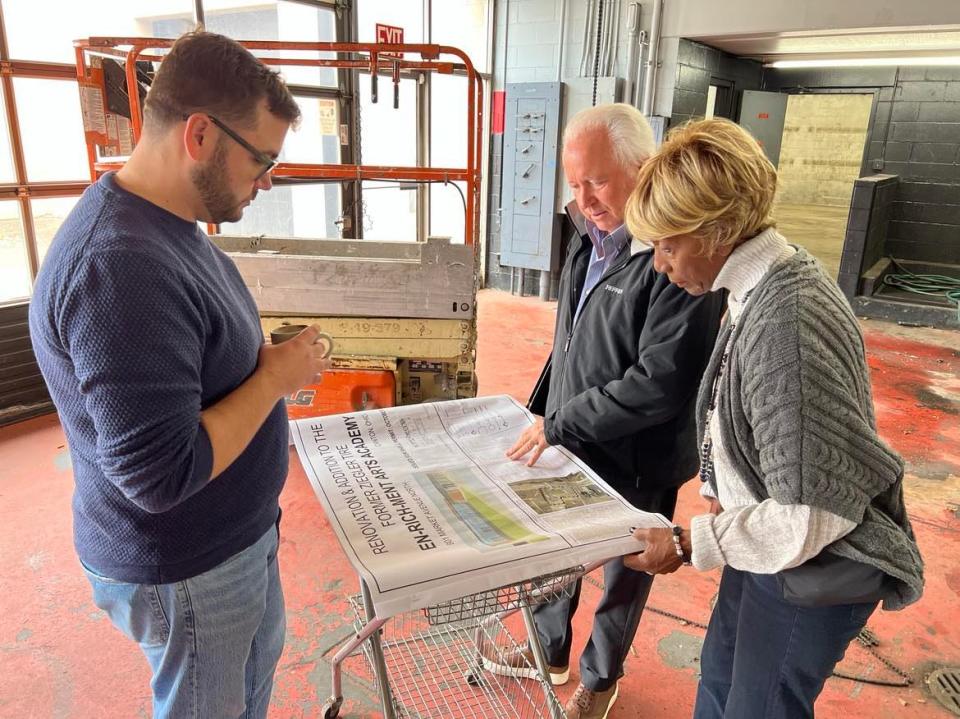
x,y
709,180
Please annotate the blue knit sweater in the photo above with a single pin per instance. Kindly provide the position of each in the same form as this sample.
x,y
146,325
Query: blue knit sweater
x,y
139,322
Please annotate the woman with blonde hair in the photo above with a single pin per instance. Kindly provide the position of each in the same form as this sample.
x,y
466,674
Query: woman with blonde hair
x,y
807,515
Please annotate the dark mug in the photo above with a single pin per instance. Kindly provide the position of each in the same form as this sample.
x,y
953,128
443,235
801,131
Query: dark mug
x,y
283,333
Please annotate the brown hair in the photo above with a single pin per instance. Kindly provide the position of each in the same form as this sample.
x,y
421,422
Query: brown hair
x,y
210,73
710,180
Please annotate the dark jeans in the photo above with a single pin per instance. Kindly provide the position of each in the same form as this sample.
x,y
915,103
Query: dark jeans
x,y
764,658
617,615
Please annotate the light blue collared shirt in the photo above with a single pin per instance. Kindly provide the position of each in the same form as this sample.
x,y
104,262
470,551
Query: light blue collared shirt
x,y
607,246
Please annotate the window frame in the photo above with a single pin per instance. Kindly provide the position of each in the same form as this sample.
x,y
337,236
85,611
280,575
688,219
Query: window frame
x,y
24,191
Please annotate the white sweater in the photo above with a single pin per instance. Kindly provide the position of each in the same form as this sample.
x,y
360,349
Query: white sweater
x,y
767,537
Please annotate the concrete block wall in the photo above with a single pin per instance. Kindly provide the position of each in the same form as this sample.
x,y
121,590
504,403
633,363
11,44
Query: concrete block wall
x,y
867,227
697,65
915,134
923,147
527,49
533,35
823,145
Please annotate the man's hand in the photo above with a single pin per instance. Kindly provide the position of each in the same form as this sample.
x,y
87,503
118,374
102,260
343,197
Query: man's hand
x,y
532,440
714,505
660,554
295,363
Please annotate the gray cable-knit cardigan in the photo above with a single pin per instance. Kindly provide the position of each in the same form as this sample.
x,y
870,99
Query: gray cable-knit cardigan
x,y
796,415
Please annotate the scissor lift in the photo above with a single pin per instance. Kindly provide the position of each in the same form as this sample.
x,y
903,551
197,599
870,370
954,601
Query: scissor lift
x,y
402,314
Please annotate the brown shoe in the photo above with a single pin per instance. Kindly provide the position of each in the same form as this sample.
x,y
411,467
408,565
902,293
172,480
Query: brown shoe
x,y
588,704
519,663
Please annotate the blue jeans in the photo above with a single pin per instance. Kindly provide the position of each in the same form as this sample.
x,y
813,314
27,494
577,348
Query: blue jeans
x,y
213,641
764,658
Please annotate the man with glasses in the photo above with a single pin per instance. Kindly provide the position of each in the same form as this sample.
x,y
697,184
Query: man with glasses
x,y
152,349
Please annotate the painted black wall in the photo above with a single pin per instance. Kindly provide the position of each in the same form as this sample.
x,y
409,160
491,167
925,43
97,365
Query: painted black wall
x,y
699,66
914,133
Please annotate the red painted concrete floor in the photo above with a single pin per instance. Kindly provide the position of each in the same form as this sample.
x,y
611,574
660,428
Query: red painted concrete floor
x,y
60,657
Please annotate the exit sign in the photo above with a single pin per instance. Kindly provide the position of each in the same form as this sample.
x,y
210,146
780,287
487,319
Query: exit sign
x,y
390,35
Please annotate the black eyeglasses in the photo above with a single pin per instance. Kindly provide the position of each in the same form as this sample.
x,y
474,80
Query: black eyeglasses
x,y
268,162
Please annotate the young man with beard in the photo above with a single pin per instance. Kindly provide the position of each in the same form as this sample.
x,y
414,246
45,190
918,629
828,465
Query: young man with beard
x,y
152,349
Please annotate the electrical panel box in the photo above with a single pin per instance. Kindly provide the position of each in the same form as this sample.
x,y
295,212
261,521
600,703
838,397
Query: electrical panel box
x,y
530,156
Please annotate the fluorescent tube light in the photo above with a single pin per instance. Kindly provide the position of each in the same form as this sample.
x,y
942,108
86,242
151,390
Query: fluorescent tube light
x,y
866,62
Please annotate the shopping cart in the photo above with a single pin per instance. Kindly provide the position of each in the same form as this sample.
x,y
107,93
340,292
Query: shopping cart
x,y
433,662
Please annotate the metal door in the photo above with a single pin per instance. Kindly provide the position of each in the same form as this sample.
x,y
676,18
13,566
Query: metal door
x,y
762,113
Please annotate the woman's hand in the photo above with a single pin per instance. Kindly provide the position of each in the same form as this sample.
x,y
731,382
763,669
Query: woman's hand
x,y
660,554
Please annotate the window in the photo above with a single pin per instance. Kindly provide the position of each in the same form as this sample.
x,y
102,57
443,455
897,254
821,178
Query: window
x,y
50,127
305,210
388,137
301,210
14,267
6,154
462,24
407,14
48,215
53,143
317,139
458,23
275,20
448,148
50,145
46,29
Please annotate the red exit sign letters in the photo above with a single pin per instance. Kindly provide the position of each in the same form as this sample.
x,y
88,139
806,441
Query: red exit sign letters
x,y
389,35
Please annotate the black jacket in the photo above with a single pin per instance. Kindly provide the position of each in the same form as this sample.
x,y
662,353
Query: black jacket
x,y
619,387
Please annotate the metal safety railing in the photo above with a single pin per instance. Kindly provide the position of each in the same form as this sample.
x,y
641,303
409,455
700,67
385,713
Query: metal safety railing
x,y
371,57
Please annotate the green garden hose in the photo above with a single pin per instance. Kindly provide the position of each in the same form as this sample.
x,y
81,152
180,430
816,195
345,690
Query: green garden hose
x,y
933,285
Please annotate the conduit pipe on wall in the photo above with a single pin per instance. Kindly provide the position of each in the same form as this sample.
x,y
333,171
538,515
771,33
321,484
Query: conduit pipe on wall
x,y
653,52
586,44
613,24
545,278
604,46
633,45
561,38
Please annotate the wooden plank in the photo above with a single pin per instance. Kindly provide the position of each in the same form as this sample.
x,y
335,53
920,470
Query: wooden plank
x,y
13,313
9,386
9,345
24,370
14,330
328,249
18,413
399,338
414,280
17,358
27,397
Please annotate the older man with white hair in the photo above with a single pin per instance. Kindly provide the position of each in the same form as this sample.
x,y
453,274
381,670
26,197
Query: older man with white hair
x,y
619,387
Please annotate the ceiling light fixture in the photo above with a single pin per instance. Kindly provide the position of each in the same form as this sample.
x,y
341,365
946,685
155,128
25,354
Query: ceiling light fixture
x,y
866,62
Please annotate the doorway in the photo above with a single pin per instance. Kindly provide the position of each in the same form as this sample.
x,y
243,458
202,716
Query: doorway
x,y
821,155
721,99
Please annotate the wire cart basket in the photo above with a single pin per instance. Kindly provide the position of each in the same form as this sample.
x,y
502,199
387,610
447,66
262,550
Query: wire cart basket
x,y
435,662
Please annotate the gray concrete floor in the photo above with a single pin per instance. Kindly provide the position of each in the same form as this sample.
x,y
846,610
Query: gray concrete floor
x,y
818,228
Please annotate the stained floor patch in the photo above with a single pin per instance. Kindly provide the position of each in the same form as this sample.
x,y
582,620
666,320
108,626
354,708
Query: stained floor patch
x,y
680,650
61,460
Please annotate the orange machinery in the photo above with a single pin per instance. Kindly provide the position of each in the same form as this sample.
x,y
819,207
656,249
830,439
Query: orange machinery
x,y
393,346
